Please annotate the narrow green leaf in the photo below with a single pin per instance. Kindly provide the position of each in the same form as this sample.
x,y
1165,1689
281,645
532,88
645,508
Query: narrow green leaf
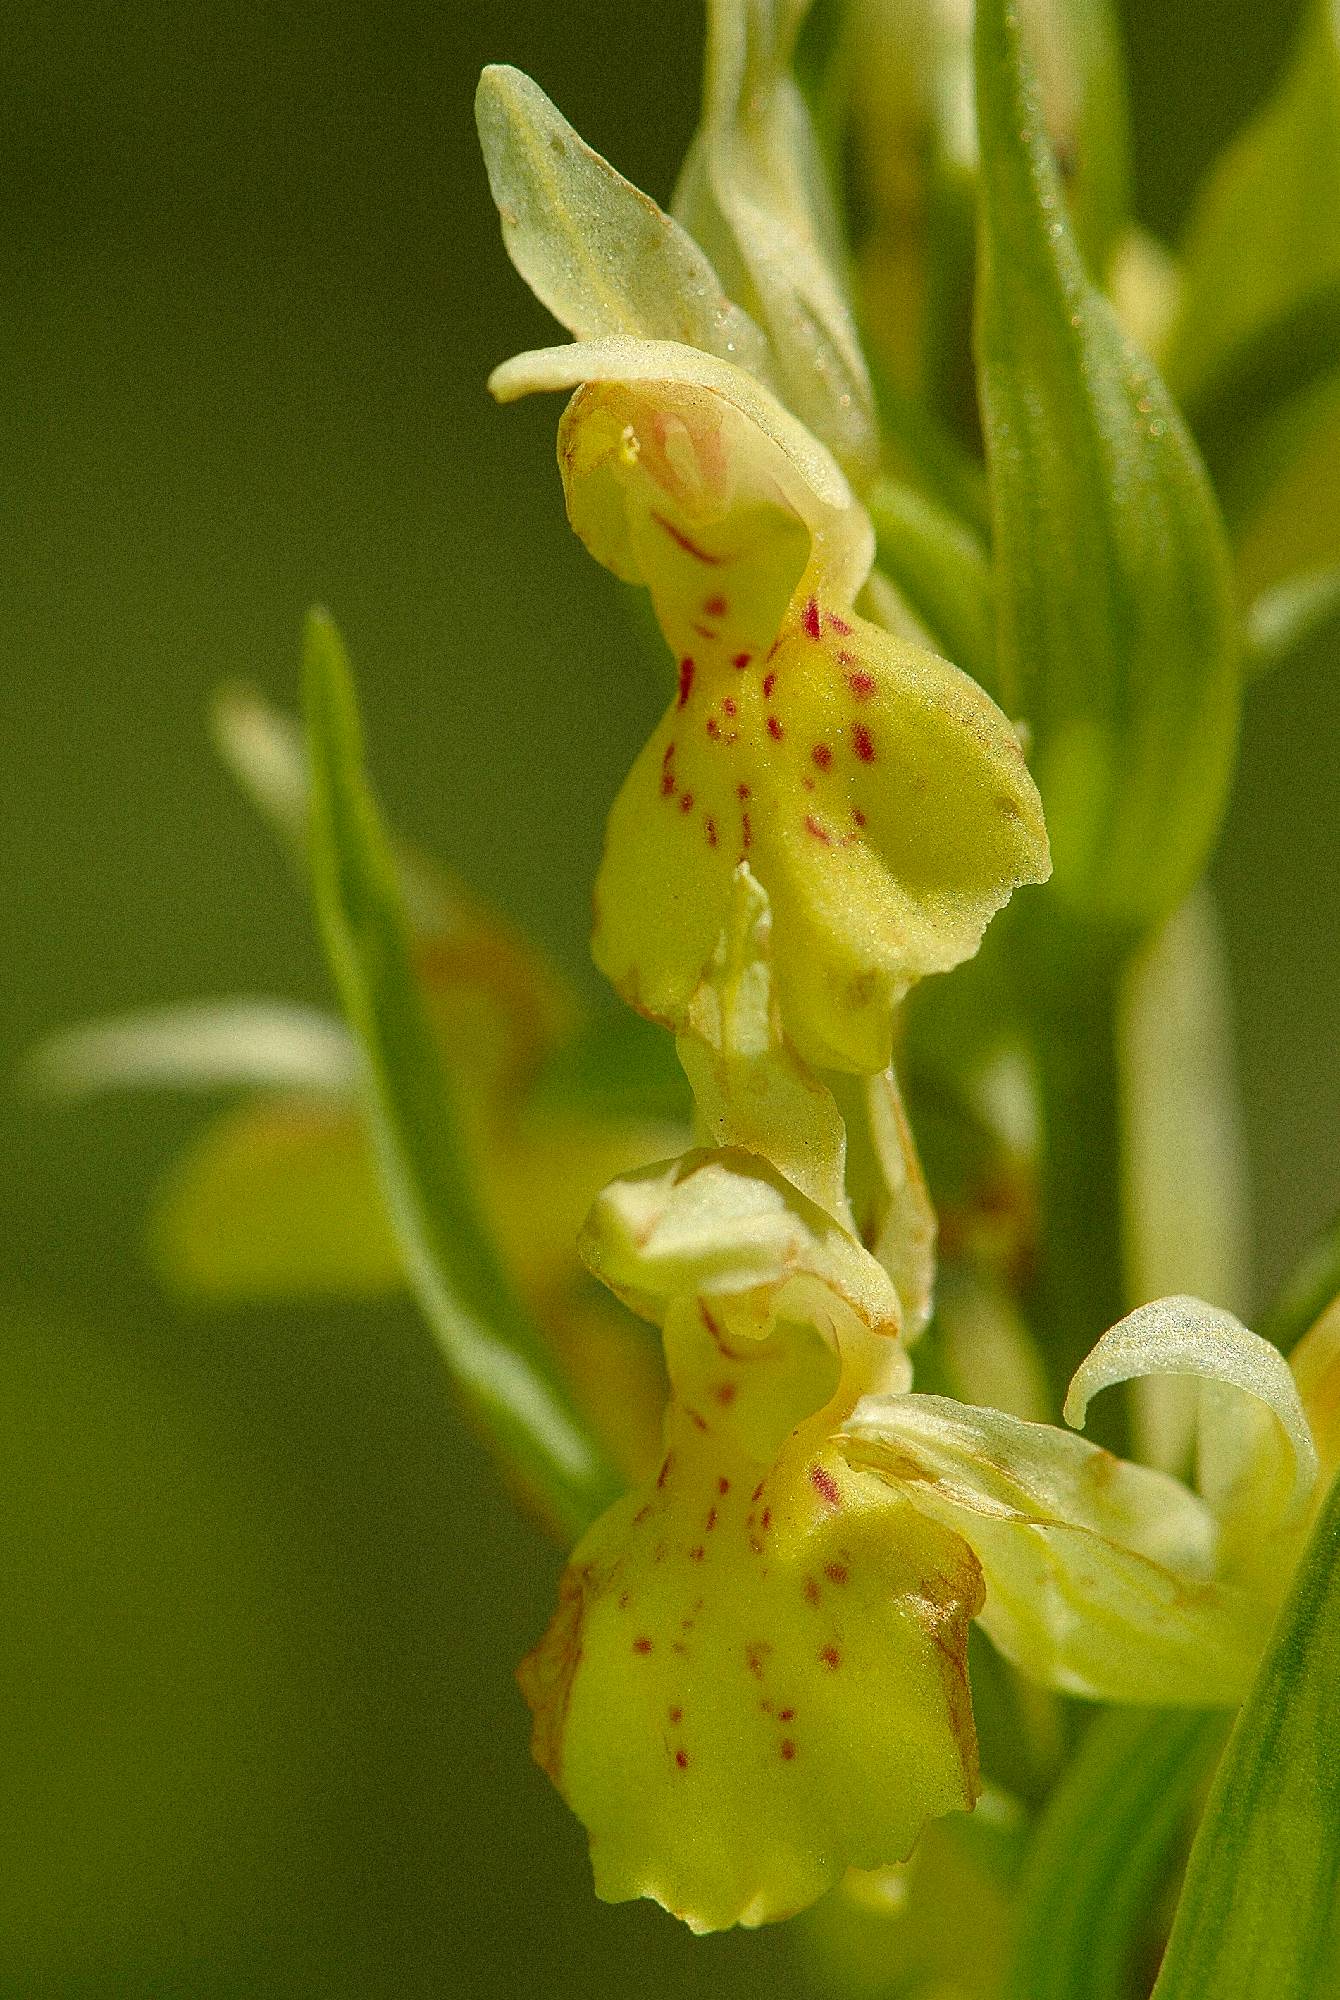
x,y
593,248
941,570
204,1046
1258,1915
1308,1291
1115,622
1102,1851
1284,622
1266,230
490,1347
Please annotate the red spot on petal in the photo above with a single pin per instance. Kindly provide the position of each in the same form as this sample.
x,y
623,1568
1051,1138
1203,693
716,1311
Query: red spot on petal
x,y
775,729
812,1591
713,726
726,1394
742,791
708,1321
861,685
704,631
836,1572
746,831
669,751
681,541
711,1519
723,1484
767,1517
838,624
831,1658
711,833
686,673
686,803
823,1482
755,1653
741,661
642,1645
714,607
788,1749
822,755
667,784
664,1472
728,706
810,617
862,743
858,816
786,1715
695,1418
682,1759
819,831
769,683
757,1493
696,1555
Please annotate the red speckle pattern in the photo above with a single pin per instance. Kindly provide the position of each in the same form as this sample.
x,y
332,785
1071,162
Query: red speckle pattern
x,y
862,743
818,830
711,833
831,1658
788,1750
642,1645
823,1482
862,685
810,618
822,755
836,1572
741,661
775,729
682,1759
686,673
714,607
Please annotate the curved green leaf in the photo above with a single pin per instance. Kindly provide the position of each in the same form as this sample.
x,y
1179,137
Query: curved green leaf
x,y
1115,623
495,1357
1284,622
941,569
1102,1851
1258,1915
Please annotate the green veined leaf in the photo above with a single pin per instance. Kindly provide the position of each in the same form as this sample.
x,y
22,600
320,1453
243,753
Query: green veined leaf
x,y
1266,231
1258,1915
493,1353
1102,1851
593,248
1115,623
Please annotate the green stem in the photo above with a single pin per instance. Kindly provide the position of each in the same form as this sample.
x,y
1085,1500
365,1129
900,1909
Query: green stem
x,y
1078,1289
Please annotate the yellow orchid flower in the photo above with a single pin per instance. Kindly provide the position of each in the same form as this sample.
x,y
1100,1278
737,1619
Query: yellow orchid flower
x,y
757,1674
879,797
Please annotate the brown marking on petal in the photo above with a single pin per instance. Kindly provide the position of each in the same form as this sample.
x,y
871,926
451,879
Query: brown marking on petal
x,y
667,784
726,1393
813,1594
681,541
863,743
757,1493
687,670
676,1714
858,816
641,1515
767,1519
664,1472
711,830
746,831
686,803
836,1572
862,685
696,1418
704,631
713,726
817,830
769,683
642,1644
728,706
838,624
823,1482
723,1485
786,1715
714,607
787,1749
697,1553
741,661
711,1519
810,617
756,1657
822,755
831,1658
682,1759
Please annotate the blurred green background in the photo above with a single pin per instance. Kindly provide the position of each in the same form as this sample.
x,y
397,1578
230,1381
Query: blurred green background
x,y
259,1597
